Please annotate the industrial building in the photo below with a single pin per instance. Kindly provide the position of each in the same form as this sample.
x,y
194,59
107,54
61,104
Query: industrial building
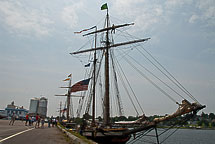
x,y
38,106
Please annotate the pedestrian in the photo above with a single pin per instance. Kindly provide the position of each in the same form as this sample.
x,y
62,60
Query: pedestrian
x,y
42,122
49,122
27,119
56,121
37,121
13,117
52,121
30,121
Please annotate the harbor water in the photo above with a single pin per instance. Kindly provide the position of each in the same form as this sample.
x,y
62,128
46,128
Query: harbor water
x,y
181,136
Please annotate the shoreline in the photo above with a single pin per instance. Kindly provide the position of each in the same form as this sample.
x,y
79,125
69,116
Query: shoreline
x,y
192,128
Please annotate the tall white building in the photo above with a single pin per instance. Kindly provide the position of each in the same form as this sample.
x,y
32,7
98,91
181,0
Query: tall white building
x,y
38,106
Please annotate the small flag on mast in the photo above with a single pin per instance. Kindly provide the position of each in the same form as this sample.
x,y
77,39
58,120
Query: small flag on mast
x,y
104,6
67,79
84,30
70,75
87,65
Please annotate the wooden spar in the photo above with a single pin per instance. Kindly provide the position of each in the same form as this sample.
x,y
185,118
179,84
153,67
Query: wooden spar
x,y
110,46
70,95
60,112
68,101
65,87
94,84
107,89
108,28
106,49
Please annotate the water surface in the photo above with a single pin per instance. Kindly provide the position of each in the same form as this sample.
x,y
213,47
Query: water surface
x,y
181,136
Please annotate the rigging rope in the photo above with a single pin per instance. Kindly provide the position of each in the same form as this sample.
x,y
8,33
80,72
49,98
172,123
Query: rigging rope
x,y
140,135
151,81
123,83
130,88
156,77
120,106
174,80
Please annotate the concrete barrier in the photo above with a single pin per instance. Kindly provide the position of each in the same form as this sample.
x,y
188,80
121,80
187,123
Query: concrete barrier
x,y
75,139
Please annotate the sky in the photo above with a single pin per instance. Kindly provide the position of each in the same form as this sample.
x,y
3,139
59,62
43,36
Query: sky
x,y
37,36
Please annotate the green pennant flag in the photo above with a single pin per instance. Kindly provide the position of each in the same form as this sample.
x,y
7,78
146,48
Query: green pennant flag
x,y
104,6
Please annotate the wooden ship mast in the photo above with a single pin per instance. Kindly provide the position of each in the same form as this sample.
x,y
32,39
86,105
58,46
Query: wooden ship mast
x,y
106,48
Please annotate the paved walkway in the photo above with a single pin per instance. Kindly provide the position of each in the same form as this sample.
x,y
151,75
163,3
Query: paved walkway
x,y
21,134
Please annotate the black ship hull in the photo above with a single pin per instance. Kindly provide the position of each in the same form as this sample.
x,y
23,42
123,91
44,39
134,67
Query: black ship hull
x,y
111,139
107,137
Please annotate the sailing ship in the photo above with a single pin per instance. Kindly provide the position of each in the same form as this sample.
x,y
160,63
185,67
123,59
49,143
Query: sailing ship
x,y
108,132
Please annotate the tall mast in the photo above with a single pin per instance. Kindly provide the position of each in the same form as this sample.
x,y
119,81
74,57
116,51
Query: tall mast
x,y
107,98
68,101
60,111
106,48
94,83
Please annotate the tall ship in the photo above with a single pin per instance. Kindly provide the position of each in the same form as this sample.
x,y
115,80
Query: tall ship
x,y
105,77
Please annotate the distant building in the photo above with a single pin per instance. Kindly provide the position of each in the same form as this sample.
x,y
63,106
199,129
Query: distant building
x,y
3,114
20,112
38,106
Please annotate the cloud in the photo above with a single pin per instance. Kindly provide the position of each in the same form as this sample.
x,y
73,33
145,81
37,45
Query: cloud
x,y
69,14
144,13
146,19
205,13
23,20
171,4
193,18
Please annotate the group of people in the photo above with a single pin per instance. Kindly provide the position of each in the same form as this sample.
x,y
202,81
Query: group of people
x,y
38,119
29,120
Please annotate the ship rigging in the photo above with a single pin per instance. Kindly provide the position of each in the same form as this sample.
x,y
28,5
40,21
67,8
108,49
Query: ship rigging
x,y
107,131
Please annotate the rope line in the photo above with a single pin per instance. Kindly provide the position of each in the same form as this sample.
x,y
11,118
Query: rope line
x,y
156,77
154,84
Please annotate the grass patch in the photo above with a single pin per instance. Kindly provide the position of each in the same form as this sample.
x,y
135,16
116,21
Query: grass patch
x,y
77,135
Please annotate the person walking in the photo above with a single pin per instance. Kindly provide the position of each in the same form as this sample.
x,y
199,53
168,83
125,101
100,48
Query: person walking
x,y
27,120
13,117
52,121
49,122
30,121
42,122
37,121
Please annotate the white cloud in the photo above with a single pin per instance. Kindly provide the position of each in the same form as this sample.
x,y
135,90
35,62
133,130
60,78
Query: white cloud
x,y
205,13
193,18
22,20
177,3
146,20
144,13
69,14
